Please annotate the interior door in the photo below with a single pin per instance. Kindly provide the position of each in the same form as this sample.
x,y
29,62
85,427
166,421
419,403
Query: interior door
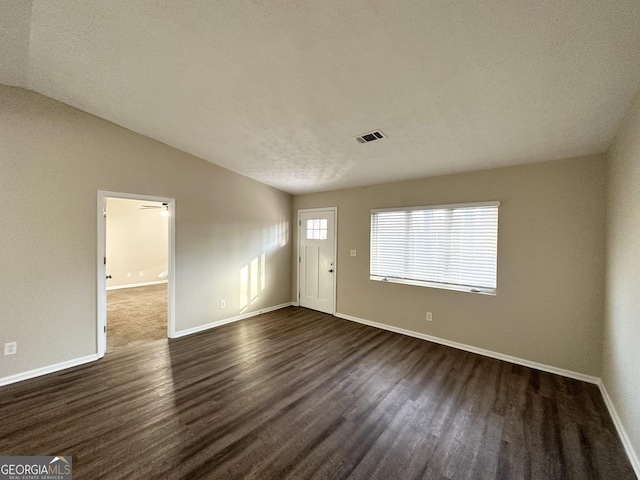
x,y
317,259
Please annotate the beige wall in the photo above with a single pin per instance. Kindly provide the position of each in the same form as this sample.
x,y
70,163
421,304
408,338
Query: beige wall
x,y
548,308
137,242
621,358
53,160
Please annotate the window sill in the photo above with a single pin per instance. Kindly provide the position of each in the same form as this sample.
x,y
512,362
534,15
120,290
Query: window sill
x,y
441,286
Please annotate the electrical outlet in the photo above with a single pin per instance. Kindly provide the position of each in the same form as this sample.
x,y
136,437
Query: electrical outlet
x,y
353,253
429,317
10,348
223,303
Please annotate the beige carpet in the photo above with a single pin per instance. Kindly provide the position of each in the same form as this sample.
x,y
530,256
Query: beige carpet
x,y
136,315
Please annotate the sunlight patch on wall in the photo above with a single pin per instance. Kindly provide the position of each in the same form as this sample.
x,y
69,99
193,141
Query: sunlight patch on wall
x,y
253,275
254,279
282,233
244,287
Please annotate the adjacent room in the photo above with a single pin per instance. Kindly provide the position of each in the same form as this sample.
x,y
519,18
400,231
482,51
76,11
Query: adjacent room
x,y
324,240
137,249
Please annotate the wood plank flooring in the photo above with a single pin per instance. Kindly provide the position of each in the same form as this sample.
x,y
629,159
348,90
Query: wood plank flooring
x,y
297,394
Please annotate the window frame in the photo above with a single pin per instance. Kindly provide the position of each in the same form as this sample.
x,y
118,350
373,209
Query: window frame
x,y
318,231
431,283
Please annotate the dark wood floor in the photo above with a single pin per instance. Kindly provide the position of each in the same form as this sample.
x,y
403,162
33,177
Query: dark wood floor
x,y
298,394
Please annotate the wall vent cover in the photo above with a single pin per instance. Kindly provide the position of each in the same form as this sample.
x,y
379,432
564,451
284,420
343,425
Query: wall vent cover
x,y
370,136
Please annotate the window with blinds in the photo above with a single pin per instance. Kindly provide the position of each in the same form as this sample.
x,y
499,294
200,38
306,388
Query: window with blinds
x,y
443,246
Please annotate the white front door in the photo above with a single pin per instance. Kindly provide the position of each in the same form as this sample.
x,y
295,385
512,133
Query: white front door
x,y
317,259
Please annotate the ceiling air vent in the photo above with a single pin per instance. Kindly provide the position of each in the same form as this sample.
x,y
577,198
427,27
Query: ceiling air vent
x,y
370,137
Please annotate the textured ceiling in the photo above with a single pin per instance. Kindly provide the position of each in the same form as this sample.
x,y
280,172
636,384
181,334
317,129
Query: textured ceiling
x,y
15,23
277,90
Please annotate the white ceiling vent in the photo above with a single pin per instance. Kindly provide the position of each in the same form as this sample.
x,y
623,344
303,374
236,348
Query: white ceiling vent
x,y
371,136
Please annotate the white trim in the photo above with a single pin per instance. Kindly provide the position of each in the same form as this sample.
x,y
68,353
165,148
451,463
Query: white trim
x,y
135,285
479,351
101,249
38,372
317,209
441,286
171,273
624,438
495,203
225,321
622,433
101,252
335,252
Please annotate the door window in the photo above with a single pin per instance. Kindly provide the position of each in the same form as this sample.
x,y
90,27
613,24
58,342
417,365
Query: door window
x,y
317,229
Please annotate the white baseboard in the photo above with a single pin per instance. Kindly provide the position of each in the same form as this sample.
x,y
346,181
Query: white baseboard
x,y
134,285
18,377
472,349
624,438
626,442
225,321
633,457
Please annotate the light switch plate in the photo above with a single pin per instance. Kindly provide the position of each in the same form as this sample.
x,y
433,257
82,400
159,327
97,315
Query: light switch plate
x,y
10,348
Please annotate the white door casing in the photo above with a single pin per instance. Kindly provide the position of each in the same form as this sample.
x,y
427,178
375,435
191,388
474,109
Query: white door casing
x,y
317,266
101,250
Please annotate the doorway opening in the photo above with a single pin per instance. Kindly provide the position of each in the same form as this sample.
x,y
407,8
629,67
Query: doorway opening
x,y
135,269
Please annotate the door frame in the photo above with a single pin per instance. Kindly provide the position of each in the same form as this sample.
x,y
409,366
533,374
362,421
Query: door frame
x,y
335,250
101,254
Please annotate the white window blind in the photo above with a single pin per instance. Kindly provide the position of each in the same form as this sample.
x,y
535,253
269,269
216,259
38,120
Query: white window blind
x,y
444,246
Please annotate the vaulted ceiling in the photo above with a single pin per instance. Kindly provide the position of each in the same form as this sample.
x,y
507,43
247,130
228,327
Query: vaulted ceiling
x,y
277,90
